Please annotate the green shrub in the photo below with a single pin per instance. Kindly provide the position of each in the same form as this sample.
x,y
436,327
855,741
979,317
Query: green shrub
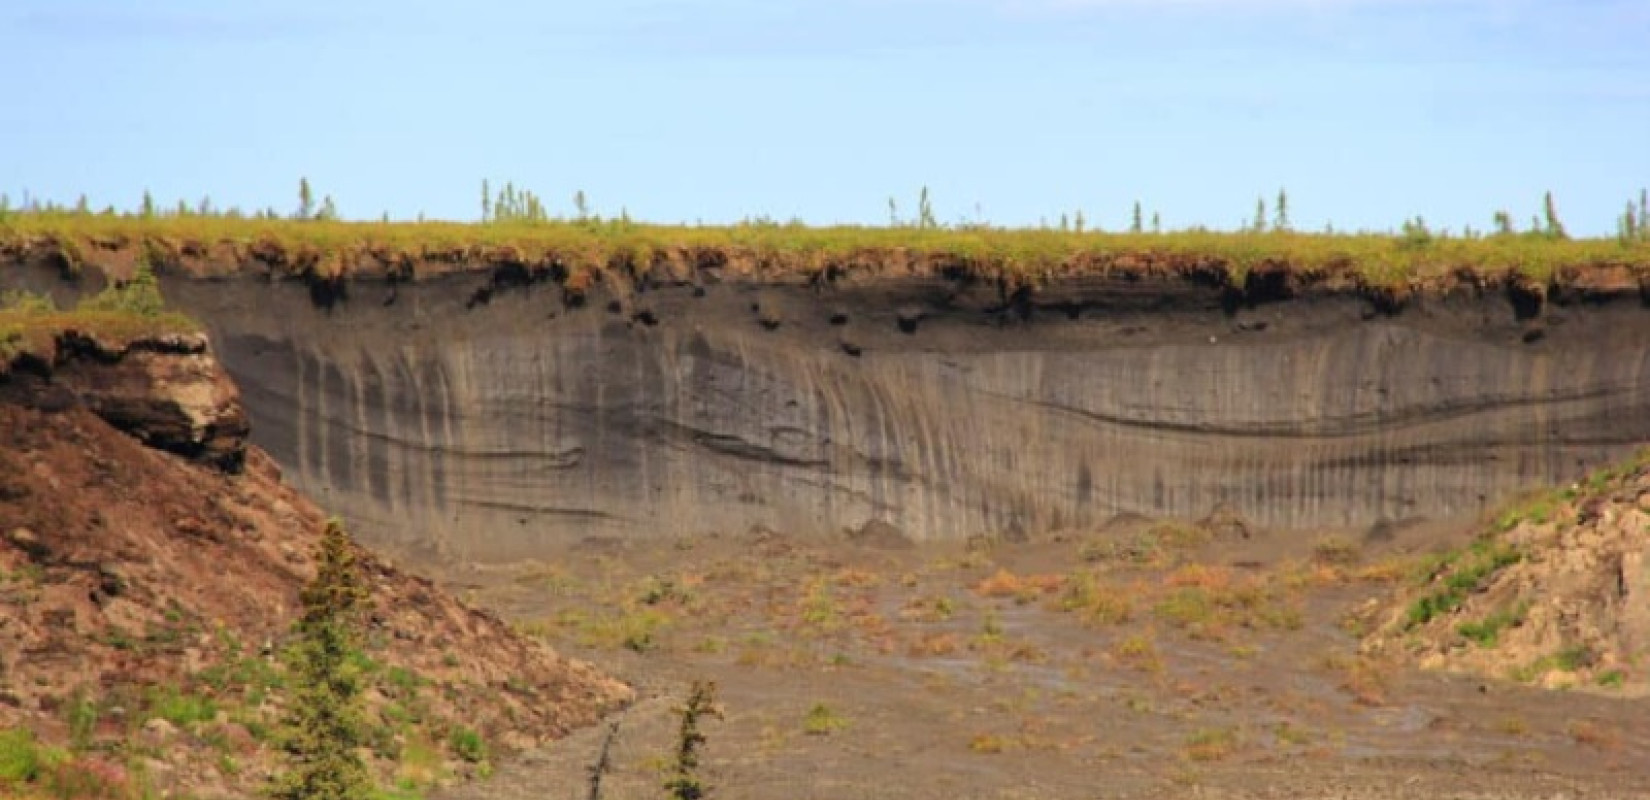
x,y
1466,574
323,726
81,714
26,302
24,760
1186,606
685,783
181,708
468,745
1573,658
20,759
1487,632
139,296
822,720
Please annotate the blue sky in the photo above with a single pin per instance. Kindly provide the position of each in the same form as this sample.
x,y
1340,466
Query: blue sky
x,y
1367,111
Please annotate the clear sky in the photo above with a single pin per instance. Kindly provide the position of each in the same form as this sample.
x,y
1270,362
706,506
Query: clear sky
x,y
1367,111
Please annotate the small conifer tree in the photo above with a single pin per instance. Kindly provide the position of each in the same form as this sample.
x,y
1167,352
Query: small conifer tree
x,y
684,783
306,199
323,724
1281,212
1554,228
925,211
1137,224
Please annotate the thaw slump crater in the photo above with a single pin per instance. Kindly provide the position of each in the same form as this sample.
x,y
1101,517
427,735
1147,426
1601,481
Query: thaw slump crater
x,y
942,406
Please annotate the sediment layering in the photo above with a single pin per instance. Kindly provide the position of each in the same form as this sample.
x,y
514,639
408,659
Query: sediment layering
x,y
482,402
482,415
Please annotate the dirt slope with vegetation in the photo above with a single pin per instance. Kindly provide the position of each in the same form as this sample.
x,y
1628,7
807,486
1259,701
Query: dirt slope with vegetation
x,y
1555,593
150,562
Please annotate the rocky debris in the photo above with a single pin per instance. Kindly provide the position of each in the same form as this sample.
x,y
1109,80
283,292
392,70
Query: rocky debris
x,y
879,534
168,391
1225,523
1557,594
126,570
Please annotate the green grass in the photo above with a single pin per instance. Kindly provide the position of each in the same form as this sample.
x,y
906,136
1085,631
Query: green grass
x,y
23,759
822,720
332,247
180,708
468,745
1186,606
1487,632
31,323
1211,744
1539,508
1462,574
1572,658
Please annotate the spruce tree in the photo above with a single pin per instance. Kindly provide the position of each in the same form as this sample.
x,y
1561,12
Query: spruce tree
x,y
306,199
1136,223
1554,228
323,724
684,782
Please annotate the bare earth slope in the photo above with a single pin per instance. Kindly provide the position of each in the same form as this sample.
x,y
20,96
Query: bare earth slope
x,y
1557,593
146,593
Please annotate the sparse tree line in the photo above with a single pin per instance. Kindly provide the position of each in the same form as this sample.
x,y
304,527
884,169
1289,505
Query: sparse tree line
x,y
511,205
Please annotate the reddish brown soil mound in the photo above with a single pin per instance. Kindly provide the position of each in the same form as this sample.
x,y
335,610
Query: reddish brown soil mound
x,y
144,596
1556,593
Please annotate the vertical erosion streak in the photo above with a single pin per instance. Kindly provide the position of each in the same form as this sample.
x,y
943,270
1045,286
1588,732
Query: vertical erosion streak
x,y
300,413
491,441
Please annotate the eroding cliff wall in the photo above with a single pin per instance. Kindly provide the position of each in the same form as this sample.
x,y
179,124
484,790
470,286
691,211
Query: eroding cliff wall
x,y
486,420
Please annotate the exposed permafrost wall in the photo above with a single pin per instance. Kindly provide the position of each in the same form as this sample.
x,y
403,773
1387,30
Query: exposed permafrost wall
x,y
490,422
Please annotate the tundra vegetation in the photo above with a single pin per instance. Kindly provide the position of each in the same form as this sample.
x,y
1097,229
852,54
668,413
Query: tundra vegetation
x,y
520,220
124,310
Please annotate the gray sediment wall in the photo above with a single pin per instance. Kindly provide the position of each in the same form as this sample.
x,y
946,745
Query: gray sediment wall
x,y
487,418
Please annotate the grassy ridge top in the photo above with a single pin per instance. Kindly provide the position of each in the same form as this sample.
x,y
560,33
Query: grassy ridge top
x,y
1413,258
